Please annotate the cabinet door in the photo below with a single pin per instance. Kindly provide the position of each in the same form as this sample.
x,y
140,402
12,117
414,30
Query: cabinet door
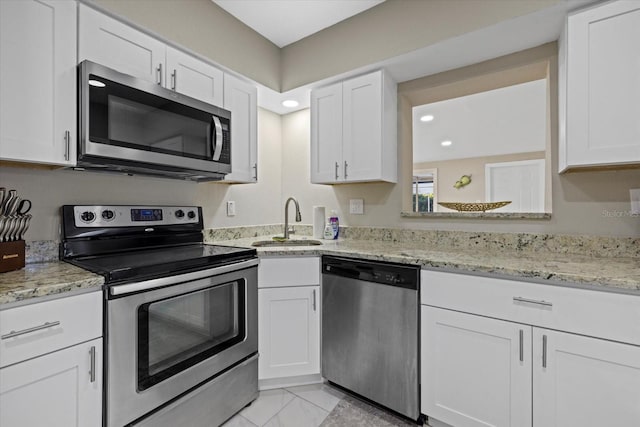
x,y
326,135
241,99
586,382
109,42
38,84
362,128
193,77
476,371
55,390
289,331
603,89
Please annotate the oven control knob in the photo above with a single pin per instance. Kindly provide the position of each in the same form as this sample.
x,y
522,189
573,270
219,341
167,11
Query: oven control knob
x,y
179,213
191,214
87,216
108,214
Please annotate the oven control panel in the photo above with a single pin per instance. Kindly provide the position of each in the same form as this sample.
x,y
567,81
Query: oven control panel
x,y
131,216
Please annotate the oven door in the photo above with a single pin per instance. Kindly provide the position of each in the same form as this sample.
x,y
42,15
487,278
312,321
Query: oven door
x,y
128,119
167,336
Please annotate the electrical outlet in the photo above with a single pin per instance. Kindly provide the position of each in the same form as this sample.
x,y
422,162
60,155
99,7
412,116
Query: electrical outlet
x,y
356,206
231,208
634,195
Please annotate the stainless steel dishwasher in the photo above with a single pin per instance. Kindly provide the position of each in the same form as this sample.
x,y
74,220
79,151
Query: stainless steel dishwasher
x,y
370,335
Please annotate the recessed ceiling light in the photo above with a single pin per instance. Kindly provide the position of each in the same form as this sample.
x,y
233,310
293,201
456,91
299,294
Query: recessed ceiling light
x,y
426,118
446,143
96,83
290,103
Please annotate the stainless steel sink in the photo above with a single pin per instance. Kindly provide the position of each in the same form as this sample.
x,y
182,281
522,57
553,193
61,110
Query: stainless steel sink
x,y
288,242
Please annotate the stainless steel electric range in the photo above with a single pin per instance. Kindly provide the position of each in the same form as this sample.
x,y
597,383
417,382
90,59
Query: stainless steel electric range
x,y
180,315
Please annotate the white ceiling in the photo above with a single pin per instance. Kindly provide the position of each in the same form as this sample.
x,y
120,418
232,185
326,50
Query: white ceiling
x,y
286,21
501,121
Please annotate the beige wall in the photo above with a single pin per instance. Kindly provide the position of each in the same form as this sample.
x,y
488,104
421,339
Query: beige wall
x,y
255,203
591,203
449,171
208,30
390,29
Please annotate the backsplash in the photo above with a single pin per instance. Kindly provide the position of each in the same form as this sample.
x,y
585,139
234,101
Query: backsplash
x,y
594,246
42,251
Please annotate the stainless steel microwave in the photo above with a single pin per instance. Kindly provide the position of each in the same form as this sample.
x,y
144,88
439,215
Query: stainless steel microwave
x,y
133,126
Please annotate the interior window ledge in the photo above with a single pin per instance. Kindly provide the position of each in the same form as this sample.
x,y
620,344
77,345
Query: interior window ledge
x,y
475,215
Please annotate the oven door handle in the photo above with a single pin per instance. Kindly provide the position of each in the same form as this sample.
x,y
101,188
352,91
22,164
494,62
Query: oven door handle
x,y
172,280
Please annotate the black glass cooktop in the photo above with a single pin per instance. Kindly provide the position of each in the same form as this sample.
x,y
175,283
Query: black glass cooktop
x,y
161,262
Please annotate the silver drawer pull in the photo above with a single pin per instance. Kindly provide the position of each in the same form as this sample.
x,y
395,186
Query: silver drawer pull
x,y
521,345
29,330
92,368
533,301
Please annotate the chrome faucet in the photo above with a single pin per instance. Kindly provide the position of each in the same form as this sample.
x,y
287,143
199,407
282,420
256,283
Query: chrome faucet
x,y
286,215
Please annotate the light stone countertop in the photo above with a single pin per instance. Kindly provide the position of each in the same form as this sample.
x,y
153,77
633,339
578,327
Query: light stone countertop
x,y
617,274
45,280
607,274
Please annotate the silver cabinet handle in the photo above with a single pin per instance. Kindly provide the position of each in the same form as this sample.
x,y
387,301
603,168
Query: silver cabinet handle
x,y
29,330
521,345
67,147
533,301
174,79
255,167
159,74
345,169
336,170
92,368
544,351
314,300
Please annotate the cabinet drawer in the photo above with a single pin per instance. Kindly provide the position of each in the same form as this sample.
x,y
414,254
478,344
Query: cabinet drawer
x,y
288,271
73,320
594,313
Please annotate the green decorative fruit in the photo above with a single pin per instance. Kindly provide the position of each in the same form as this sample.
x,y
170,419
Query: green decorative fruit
x,y
465,179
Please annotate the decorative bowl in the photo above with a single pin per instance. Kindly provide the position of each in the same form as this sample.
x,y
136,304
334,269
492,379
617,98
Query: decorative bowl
x,y
473,207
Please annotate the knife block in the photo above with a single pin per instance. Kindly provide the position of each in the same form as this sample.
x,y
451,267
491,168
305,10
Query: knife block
x,y
11,255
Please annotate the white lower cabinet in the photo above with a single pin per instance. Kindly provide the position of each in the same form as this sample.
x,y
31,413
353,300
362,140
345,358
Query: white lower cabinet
x,y
289,331
586,382
51,363
473,372
288,321
59,389
520,370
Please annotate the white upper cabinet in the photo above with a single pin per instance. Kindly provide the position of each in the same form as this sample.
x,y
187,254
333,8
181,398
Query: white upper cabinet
x,y
38,81
112,43
326,134
109,42
353,131
600,87
194,78
241,99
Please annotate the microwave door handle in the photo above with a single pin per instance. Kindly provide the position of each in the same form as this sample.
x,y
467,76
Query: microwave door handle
x,y
219,141
210,141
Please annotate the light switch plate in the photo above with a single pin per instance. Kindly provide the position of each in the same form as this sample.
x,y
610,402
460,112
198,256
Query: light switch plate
x,y
231,208
356,206
634,195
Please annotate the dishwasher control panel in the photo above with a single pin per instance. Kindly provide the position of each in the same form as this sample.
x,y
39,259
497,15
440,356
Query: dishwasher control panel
x,y
385,273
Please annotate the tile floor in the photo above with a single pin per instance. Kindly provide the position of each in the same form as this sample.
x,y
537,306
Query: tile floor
x,y
311,406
